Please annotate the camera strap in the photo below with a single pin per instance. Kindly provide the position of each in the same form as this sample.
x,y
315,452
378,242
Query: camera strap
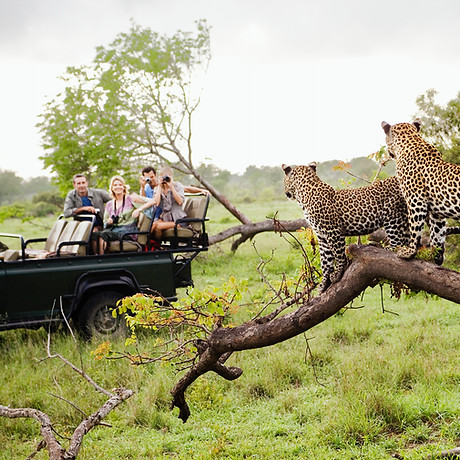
x,y
115,205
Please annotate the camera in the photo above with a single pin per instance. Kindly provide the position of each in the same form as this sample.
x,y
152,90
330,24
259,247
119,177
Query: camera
x,y
166,179
148,180
115,219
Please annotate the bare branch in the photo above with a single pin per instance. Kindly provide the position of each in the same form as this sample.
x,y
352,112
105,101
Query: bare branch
x,y
248,231
55,450
451,454
119,395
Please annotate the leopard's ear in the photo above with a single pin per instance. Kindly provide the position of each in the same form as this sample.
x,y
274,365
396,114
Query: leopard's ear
x,y
386,127
417,123
287,169
312,165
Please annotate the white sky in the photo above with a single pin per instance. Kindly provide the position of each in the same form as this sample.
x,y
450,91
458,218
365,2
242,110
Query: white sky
x,y
290,81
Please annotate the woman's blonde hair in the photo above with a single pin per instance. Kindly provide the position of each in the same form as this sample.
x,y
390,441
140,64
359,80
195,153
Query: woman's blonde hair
x,y
125,186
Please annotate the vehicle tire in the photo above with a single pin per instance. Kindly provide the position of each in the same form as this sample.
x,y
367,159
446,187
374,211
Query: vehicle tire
x,y
95,317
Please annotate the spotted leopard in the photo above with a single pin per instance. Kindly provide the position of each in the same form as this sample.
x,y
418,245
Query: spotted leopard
x,y
430,185
334,214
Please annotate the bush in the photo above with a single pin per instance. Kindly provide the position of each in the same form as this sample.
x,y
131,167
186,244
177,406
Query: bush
x,y
50,197
42,209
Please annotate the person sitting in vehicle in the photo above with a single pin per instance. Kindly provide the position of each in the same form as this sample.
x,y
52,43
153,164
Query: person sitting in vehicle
x,y
118,216
169,196
84,200
149,180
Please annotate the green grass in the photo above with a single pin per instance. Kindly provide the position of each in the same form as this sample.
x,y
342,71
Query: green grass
x,y
374,383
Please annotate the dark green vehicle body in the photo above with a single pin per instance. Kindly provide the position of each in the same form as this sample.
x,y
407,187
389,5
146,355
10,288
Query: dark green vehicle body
x,y
34,292
68,283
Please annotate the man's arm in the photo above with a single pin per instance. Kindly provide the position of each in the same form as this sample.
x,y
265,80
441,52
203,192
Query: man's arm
x,y
106,196
69,206
190,189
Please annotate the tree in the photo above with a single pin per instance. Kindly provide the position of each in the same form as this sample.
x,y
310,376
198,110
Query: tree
x,y
133,105
10,186
441,124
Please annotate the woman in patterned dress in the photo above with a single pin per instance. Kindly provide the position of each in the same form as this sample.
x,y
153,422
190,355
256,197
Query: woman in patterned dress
x,y
118,215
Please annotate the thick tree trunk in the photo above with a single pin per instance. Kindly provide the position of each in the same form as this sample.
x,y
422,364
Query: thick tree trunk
x,y
369,264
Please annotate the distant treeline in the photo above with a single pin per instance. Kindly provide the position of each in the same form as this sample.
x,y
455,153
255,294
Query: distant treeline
x,y
256,183
266,182
14,188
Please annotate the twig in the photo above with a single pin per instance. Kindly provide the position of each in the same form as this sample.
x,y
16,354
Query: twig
x,y
39,447
358,177
70,403
308,352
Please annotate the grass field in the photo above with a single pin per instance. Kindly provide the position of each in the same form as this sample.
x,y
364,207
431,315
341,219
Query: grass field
x,y
369,384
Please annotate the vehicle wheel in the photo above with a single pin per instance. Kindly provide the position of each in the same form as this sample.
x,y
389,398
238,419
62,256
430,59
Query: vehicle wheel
x,y
95,316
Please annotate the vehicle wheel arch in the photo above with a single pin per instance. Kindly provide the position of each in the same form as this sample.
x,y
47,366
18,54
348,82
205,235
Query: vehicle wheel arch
x,y
94,288
91,283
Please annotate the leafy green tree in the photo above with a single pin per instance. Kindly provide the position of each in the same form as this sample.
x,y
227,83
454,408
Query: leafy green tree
x,y
441,124
132,106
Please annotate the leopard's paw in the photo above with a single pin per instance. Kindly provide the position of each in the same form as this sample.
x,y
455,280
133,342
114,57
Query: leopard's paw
x,y
406,253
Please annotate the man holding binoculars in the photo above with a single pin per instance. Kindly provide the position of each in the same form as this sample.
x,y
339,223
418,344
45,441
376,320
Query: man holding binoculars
x,y
169,197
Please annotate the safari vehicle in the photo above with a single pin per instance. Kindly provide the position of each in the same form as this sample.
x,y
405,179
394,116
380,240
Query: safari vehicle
x,y
62,281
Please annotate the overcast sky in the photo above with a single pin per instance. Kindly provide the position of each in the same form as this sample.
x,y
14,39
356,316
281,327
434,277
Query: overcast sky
x,y
290,81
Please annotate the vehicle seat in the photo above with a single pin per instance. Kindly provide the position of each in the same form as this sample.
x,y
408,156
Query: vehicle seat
x,y
50,242
196,207
9,255
144,223
66,235
81,234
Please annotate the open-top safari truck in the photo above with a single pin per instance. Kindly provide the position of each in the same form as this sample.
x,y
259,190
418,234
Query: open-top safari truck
x,y
63,281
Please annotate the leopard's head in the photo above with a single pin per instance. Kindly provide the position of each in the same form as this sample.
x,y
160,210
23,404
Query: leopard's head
x,y
296,178
397,133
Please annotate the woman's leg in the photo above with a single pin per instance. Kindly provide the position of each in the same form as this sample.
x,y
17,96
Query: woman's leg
x,y
94,244
158,227
102,246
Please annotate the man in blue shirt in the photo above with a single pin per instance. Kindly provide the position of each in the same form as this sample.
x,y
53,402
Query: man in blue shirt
x,y
148,181
84,200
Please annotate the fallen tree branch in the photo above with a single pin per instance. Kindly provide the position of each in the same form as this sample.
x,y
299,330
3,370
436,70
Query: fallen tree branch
x,y
368,265
248,231
54,447
453,453
55,450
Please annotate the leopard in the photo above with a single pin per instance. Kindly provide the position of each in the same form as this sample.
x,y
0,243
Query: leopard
x,y
429,185
334,214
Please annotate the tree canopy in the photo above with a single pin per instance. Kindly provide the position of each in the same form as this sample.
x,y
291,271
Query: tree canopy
x,y
441,124
131,106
